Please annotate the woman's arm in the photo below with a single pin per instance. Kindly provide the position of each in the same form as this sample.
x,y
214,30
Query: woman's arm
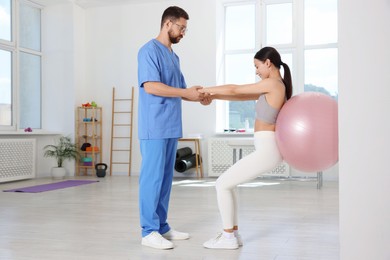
x,y
242,97
240,91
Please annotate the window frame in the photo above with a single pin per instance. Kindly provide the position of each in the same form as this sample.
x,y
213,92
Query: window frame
x,y
15,50
11,47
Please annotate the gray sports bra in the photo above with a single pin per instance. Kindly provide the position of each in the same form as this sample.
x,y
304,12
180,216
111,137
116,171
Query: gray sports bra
x,y
264,112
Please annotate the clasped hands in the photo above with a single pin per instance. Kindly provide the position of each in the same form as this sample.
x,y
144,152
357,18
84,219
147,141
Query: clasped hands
x,y
196,93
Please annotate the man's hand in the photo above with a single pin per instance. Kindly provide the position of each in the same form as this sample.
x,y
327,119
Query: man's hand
x,y
193,94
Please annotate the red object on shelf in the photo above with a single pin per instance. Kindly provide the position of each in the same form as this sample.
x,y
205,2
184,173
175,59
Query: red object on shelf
x,y
92,148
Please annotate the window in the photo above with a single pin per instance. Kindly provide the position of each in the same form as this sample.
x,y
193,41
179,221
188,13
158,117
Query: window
x,y
278,18
303,31
5,20
240,45
5,87
320,47
20,65
6,56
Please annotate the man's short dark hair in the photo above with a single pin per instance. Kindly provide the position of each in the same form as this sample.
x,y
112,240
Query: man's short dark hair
x,y
173,13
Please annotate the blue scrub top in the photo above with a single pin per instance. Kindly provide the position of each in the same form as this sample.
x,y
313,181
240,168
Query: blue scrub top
x,y
159,117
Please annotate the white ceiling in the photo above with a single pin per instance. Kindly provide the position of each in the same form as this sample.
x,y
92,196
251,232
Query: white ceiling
x,y
94,3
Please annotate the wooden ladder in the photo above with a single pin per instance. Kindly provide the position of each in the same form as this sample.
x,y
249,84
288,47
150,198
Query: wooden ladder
x,y
121,132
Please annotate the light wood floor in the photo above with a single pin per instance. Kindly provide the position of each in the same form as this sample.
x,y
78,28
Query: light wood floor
x,y
278,220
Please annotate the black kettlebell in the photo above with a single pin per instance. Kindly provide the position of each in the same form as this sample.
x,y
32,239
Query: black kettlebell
x,y
100,169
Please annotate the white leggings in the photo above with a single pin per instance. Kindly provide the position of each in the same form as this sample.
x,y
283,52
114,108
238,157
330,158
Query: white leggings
x,y
265,158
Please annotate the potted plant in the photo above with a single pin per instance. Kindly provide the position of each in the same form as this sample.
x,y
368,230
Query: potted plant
x,y
64,150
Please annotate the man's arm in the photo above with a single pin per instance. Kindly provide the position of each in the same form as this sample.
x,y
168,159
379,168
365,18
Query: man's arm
x,y
163,90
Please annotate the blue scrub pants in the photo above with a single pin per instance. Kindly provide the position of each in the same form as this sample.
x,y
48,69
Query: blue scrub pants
x,y
155,183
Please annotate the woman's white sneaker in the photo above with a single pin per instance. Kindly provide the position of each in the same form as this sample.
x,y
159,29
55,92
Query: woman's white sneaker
x,y
155,240
239,239
221,242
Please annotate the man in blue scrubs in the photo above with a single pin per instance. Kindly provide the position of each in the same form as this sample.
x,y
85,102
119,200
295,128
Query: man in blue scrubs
x,y
162,87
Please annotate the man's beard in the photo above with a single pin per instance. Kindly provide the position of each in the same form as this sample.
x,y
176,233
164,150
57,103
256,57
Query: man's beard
x,y
174,39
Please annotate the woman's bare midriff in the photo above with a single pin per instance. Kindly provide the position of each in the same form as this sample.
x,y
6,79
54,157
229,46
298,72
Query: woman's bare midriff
x,y
262,126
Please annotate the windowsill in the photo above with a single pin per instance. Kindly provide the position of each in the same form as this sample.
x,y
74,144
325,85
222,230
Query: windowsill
x,y
22,132
237,134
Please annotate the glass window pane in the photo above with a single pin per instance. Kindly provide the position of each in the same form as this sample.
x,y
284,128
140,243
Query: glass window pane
x,y
5,88
30,91
240,27
5,20
320,21
239,112
321,71
240,69
30,27
279,24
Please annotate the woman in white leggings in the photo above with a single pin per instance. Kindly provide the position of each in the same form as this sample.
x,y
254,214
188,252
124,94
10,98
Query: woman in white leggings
x,y
271,93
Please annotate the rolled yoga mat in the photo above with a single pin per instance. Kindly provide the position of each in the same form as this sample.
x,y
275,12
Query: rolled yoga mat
x,y
183,152
186,163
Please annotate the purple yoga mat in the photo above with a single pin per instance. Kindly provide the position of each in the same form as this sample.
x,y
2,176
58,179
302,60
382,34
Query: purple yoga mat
x,y
51,186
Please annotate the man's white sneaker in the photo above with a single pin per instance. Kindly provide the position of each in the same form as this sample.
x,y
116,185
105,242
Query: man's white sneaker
x,y
155,240
221,242
175,235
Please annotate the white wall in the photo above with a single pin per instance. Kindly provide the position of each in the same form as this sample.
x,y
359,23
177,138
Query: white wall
x,y
364,127
58,60
61,64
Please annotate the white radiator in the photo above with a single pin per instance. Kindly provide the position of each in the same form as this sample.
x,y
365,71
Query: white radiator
x,y
220,152
17,159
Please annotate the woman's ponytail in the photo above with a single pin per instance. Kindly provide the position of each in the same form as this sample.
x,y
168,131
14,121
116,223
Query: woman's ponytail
x,y
287,80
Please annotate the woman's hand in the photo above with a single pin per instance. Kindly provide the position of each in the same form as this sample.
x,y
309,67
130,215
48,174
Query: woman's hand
x,y
207,99
202,90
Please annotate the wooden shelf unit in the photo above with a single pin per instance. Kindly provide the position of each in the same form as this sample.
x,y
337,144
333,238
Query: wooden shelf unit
x,y
89,131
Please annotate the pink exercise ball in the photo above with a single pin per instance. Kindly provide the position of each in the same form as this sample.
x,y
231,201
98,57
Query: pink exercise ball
x,y
307,132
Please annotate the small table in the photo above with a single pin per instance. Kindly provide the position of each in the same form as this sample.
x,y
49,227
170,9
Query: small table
x,y
198,156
